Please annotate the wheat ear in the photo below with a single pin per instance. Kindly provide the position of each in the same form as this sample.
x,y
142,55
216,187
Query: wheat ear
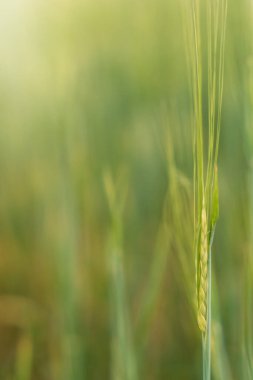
x,y
203,284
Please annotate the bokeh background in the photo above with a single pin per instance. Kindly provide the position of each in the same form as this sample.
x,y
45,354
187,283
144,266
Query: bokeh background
x,y
96,263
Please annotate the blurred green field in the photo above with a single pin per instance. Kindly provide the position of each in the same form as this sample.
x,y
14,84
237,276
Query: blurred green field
x,y
96,264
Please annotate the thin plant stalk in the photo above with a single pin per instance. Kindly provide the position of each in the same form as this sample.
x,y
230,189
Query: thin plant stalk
x,y
206,338
123,355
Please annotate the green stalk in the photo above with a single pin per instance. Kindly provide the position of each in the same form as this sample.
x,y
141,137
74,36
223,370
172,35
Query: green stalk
x,y
206,338
124,365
